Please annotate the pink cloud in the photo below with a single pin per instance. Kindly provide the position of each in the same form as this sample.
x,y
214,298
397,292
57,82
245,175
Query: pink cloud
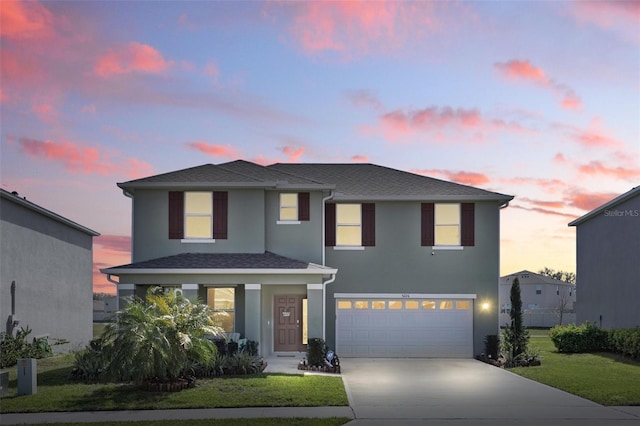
x,y
542,203
542,211
442,123
25,20
517,69
359,27
620,17
292,153
211,69
465,178
551,185
132,57
80,159
46,113
360,159
598,168
595,138
588,201
214,150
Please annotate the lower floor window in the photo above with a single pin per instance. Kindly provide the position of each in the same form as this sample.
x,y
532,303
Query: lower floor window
x,y
222,301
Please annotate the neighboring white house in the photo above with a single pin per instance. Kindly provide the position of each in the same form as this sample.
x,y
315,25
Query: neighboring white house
x,y
545,300
608,263
104,309
46,274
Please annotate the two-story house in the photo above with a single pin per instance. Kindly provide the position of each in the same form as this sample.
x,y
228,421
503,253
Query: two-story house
x,y
377,261
546,301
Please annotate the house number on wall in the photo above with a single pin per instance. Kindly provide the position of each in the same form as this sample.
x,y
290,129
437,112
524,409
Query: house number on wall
x,y
406,296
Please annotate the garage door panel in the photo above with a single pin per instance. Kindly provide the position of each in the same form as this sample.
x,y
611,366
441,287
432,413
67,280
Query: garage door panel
x,y
411,331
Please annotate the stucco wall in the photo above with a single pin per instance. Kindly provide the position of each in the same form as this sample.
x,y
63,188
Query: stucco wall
x,y
398,264
608,270
51,264
302,241
246,233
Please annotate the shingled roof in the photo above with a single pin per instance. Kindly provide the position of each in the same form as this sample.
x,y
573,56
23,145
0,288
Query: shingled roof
x,y
219,261
350,181
374,182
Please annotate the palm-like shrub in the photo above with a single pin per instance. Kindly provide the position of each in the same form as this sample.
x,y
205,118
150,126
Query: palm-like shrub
x,y
159,338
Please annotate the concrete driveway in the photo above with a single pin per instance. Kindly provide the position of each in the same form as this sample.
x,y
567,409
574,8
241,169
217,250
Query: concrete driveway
x,y
462,391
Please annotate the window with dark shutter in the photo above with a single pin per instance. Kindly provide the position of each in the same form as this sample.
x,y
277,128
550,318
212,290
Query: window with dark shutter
x,y
368,224
303,206
176,215
467,213
330,225
427,221
220,209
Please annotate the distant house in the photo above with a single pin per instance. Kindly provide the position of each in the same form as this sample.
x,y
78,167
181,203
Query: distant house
x,y
378,262
46,274
545,300
608,263
104,310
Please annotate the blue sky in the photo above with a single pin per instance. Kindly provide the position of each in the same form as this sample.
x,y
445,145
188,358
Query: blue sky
x,y
540,100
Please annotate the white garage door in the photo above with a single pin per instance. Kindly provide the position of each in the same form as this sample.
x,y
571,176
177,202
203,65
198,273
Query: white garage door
x,y
394,328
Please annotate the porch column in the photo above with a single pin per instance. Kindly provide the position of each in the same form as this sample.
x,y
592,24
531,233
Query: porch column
x,y
124,290
252,313
315,307
190,291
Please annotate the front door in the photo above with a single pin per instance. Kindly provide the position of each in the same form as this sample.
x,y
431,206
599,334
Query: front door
x,y
287,321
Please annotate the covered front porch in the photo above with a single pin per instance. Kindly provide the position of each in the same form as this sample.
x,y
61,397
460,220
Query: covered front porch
x,y
276,301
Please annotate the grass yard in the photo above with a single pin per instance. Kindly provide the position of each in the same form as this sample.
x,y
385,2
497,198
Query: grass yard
x,y
56,393
604,378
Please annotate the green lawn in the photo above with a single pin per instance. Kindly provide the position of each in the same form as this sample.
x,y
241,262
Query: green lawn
x,y
604,378
56,393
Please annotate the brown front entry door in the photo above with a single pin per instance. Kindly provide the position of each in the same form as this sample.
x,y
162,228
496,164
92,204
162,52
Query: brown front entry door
x,y
288,323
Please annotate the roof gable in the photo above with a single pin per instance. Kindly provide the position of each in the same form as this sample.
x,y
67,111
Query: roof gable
x,y
634,192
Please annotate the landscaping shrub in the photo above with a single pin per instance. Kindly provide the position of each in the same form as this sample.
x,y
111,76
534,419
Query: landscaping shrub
x,y
491,346
625,341
316,351
579,338
15,347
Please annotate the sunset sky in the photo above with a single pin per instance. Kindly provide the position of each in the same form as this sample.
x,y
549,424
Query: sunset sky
x,y
540,100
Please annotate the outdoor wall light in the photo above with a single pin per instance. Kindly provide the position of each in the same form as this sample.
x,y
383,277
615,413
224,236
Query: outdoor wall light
x,y
484,307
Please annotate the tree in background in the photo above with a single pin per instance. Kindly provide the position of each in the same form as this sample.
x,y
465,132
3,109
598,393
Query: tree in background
x,y
567,277
515,337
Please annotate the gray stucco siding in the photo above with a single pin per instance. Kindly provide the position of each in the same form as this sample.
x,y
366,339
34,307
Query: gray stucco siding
x,y
399,264
52,266
302,240
245,218
608,277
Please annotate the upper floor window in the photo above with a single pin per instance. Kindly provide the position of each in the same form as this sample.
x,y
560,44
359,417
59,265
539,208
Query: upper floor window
x,y
447,224
288,206
198,215
348,225
294,207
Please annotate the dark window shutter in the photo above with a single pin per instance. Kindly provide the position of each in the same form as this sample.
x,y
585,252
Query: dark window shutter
x,y
368,224
427,224
220,209
176,215
467,223
330,225
303,206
